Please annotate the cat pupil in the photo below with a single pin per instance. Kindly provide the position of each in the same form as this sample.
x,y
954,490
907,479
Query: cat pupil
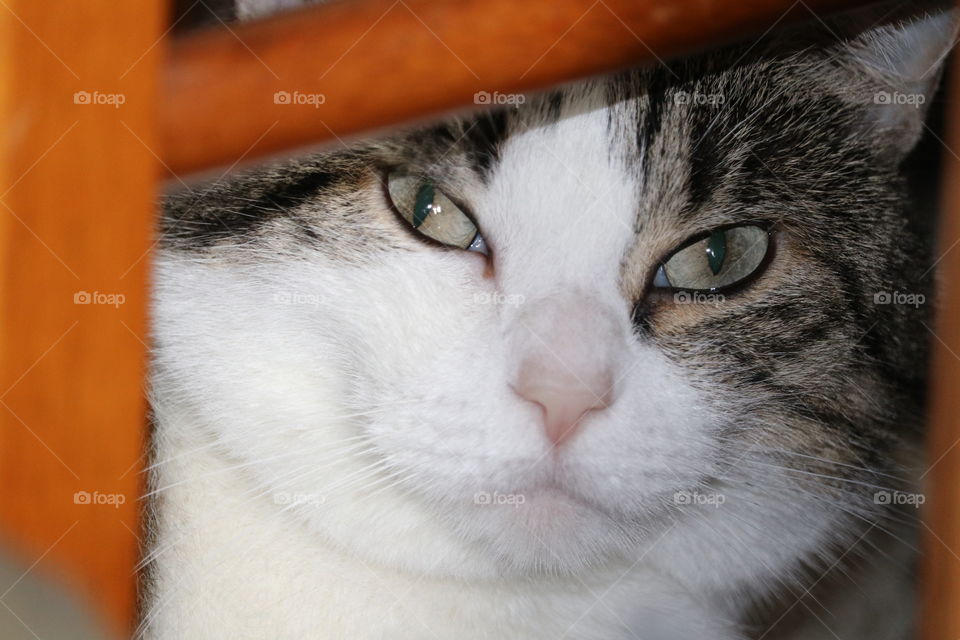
x,y
423,205
717,250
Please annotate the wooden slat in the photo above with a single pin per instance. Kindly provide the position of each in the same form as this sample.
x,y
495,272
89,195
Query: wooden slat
x,y
76,190
381,62
941,568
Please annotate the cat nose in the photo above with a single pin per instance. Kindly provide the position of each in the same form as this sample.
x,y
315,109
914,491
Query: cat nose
x,y
567,347
564,396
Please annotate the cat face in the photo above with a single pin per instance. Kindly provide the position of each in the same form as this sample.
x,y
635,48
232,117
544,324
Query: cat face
x,y
667,341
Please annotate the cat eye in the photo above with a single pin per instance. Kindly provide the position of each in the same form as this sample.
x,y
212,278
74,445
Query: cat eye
x,y
721,259
432,214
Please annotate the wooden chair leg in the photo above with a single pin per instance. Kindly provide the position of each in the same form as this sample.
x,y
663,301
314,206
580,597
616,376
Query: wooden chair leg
x,y
77,185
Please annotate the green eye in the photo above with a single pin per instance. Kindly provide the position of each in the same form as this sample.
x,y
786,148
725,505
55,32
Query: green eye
x,y
431,213
722,259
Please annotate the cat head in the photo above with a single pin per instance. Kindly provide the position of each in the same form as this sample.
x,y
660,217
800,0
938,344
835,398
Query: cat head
x,y
657,310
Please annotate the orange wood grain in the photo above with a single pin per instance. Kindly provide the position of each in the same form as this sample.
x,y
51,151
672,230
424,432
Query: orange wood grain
x,y
77,183
941,545
382,62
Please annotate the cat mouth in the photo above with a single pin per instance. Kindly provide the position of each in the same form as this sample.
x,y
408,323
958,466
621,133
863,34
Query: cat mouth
x,y
537,494
555,501
550,500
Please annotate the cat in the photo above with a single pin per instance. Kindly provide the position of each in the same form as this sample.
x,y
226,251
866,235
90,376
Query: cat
x,y
630,358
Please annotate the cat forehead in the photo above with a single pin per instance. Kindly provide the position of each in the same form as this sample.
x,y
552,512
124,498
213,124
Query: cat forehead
x,y
678,137
577,167
567,183
625,155
695,144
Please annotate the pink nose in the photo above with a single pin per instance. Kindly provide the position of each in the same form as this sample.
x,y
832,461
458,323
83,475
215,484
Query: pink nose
x,y
564,396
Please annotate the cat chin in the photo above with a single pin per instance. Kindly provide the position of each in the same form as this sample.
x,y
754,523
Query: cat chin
x,y
549,531
541,532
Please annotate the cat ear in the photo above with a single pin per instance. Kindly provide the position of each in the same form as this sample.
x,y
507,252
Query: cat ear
x,y
896,67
